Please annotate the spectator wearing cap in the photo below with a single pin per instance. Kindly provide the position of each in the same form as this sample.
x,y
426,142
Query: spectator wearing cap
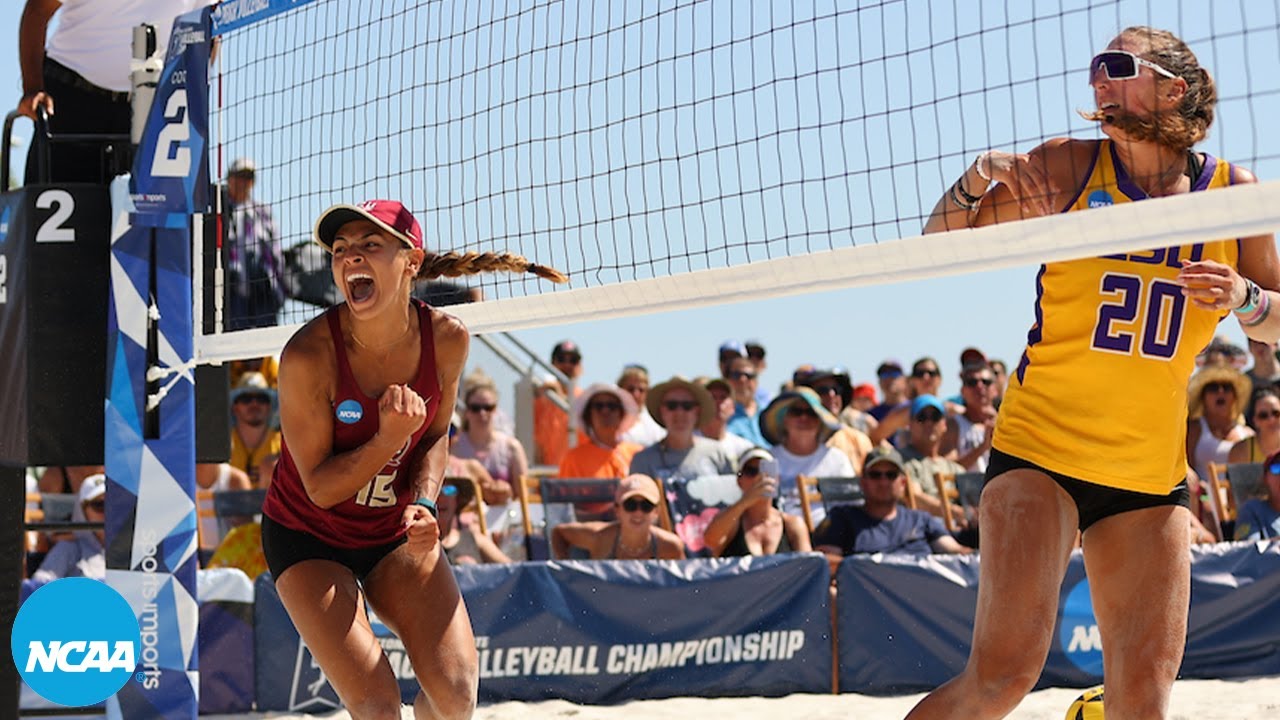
x,y
744,381
857,414
254,258
462,542
716,426
633,536
681,406
550,422
606,412
752,525
646,431
925,379
81,555
798,426
479,438
255,440
893,386
923,455
1259,518
882,524
1216,398
835,389
968,435
730,350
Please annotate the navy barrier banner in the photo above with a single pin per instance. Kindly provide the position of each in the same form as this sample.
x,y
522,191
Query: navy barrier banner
x,y
905,623
605,632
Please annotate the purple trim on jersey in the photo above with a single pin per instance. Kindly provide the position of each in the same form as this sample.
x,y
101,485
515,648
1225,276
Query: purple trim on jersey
x,y
1123,182
1206,174
1093,163
1129,188
1037,331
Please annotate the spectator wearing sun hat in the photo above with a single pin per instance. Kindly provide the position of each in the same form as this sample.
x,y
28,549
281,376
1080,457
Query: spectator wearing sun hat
x,y
255,440
836,390
798,426
605,412
1216,399
81,555
681,406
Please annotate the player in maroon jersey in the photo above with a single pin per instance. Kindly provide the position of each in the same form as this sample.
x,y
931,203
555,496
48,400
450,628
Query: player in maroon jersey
x,y
366,391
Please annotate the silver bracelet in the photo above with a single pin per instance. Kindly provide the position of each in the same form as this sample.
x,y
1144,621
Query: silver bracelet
x,y
977,164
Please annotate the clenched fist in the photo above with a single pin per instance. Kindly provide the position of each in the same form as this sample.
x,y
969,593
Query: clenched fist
x,y
401,411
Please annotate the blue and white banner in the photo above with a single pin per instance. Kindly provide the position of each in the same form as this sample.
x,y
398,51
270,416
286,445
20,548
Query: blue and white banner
x,y
151,520
232,14
600,633
171,168
906,623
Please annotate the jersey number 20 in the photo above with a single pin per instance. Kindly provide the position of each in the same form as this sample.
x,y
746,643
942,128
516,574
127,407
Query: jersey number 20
x,y
1156,305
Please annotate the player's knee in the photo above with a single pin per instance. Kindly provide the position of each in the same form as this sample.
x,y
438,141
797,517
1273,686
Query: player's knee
x,y
1004,683
452,689
374,708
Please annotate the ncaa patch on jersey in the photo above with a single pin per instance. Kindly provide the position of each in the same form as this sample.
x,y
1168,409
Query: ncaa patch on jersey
x,y
349,412
1100,198
76,641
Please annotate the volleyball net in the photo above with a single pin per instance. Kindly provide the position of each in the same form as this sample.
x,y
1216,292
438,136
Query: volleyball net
x,y
672,154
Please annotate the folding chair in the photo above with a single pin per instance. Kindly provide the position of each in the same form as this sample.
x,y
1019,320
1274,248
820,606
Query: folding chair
x,y
476,505
1229,485
962,488
830,491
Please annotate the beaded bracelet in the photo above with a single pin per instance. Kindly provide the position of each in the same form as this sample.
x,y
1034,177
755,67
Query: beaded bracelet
x,y
951,193
1259,314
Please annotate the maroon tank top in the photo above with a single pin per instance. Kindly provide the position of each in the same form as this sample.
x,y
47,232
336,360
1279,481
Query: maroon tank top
x,y
372,516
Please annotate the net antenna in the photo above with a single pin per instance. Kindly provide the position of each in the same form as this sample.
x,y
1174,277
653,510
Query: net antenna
x,y
672,155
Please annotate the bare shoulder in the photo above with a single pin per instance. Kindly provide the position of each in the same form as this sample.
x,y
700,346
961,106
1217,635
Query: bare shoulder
x,y
452,339
309,353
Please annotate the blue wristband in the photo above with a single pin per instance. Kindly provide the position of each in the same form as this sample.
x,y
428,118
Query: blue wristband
x,y
430,505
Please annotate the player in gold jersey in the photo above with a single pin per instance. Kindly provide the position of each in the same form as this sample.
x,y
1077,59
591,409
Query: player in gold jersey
x,y
1091,433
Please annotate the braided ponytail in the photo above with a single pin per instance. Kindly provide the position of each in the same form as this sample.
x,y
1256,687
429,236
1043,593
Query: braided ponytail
x,y
455,264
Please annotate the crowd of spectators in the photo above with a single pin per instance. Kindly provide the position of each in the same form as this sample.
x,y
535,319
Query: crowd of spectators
x,y
728,456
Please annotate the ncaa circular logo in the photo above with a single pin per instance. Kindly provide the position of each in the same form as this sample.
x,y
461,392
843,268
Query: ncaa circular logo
x,y
76,641
1100,198
349,412
1078,631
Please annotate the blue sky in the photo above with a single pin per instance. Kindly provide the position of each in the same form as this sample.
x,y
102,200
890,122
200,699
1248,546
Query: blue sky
x,y
858,328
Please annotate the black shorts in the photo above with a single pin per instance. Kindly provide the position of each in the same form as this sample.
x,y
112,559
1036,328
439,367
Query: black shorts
x,y
285,548
1093,502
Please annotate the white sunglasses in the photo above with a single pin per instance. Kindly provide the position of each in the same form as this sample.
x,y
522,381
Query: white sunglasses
x,y
1122,65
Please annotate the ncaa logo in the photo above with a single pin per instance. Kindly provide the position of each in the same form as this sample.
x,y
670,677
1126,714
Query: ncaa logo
x,y
76,641
4,226
1078,631
349,412
1100,198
